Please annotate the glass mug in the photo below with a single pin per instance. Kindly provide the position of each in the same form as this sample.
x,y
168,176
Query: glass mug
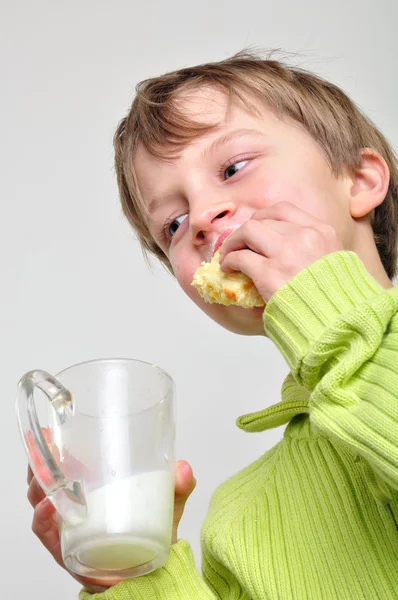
x,y
106,461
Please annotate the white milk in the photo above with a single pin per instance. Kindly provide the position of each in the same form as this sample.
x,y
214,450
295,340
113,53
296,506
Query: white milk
x,y
128,523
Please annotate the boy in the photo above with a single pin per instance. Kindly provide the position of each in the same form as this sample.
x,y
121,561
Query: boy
x,y
302,190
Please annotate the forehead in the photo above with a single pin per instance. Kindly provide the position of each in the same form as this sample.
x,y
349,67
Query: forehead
x,y
202,114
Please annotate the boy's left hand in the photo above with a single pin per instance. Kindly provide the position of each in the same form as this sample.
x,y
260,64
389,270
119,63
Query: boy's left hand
x,y
275,244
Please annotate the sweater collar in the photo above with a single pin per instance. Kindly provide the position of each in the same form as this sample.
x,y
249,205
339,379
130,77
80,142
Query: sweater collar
x,y
295,401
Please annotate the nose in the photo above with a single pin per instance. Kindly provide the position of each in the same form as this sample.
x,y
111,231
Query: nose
x,y
205,221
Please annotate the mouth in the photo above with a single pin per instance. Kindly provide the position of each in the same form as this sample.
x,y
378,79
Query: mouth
x,y
221,239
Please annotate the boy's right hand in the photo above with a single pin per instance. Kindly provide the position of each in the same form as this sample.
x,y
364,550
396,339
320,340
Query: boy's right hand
x,y
45,523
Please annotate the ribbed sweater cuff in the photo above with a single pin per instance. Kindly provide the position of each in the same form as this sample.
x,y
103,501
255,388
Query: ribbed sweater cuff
x,y
302,309
178,579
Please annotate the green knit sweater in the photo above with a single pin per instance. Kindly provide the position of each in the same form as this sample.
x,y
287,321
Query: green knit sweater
x,y
316,517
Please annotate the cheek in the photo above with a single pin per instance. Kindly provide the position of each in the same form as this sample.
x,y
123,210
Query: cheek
x,y
277,185
184,271
264,191
304,194
281,191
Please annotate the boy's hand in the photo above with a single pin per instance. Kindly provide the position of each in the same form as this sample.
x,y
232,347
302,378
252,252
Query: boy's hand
x,y
275,244
45,522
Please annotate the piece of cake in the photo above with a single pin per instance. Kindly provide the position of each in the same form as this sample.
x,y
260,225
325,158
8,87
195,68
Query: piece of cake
x,y
215,286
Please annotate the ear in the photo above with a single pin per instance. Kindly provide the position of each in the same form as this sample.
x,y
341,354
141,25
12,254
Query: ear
x,y
369,183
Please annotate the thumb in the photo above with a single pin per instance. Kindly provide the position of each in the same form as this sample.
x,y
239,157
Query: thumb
x,y
185,481
185,485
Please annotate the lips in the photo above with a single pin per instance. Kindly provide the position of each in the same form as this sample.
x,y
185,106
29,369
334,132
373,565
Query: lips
x,y
221,239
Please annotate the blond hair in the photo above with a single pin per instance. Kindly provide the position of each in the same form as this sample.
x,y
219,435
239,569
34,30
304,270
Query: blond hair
x,y
341,130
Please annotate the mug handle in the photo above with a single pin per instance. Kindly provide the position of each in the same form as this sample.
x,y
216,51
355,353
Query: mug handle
x,y
67,496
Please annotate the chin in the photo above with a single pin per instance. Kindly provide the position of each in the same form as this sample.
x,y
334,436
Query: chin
x,y
244,321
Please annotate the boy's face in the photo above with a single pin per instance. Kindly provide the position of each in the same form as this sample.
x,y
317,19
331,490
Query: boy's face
x,y
220,179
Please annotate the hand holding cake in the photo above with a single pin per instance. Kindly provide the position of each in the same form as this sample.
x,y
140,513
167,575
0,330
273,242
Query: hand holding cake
x,y
262,255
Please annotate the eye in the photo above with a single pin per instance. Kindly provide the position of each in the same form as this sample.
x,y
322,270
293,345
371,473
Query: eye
x,y
234,168
174,225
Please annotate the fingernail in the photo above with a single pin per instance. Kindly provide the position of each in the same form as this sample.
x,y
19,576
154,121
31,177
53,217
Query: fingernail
x,y
46,508
187,468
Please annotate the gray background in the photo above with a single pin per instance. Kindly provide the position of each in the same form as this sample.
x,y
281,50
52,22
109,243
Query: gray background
x,y
68,259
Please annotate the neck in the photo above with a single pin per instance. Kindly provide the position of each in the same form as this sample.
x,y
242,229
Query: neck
x,y
366,249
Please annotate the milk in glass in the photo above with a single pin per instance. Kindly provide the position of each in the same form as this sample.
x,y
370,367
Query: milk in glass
x,y
126,526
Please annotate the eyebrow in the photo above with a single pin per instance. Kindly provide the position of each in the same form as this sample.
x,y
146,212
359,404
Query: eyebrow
x,y
159,199
229,137
156,202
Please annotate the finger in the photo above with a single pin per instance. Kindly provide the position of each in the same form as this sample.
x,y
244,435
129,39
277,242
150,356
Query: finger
x,y
45,527
240,238
185,484
30,474
91,585
262,237
35,493
185,481
247,262
35,456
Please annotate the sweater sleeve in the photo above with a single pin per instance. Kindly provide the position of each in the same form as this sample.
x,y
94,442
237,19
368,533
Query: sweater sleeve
x,y
338,330
178,579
